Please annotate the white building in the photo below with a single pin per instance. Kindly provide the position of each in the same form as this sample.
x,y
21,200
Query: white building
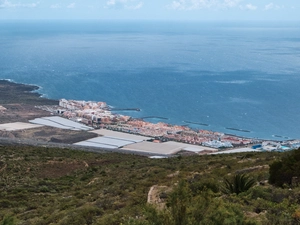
x,y
217,144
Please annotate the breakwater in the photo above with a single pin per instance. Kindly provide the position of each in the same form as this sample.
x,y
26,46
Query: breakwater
x,y
231,128
196,123
125,109
155,117
279,136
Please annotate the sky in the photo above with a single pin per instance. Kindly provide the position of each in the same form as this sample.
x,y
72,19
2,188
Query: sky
x,y
195,10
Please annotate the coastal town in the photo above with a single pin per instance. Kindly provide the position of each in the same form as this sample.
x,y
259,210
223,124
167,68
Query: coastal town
x,y
27,118
99,115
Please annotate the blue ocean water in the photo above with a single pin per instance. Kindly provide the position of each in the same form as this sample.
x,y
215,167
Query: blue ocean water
x,y
238,75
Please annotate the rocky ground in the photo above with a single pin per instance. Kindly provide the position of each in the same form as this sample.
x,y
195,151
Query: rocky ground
x,y
18,104
49,134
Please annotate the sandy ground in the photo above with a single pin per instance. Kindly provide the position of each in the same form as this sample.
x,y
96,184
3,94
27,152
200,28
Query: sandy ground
x,y
47,134
17,126
20,113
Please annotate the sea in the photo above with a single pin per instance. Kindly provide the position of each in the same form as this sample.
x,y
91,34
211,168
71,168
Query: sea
x,y
206,75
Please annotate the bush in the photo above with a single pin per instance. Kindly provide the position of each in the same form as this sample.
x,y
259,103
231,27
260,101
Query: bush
x,y
184,209
283,171
201,186
239,184
8,221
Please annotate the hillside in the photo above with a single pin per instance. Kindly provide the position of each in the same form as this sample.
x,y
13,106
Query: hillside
x,y
60,186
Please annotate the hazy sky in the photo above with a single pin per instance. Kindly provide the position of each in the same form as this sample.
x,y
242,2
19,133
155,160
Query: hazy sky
x,y
151,9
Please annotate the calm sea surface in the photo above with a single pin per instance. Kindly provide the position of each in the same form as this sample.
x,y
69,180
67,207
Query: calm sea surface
x,y
237,75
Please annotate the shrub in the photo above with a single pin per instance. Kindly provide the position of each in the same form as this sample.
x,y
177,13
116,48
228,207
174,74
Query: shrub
x,y
283,171
8,221
184,209
240,183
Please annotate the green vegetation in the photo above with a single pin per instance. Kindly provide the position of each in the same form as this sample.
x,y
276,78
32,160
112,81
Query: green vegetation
x,y
286,171
240,183
60,186
185,209
8,221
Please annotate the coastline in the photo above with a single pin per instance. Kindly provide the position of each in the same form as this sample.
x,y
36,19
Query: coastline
x,y
236,131
30,99
31,93
12,92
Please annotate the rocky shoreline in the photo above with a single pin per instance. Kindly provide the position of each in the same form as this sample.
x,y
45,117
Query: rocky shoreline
x,y
19,103
16,93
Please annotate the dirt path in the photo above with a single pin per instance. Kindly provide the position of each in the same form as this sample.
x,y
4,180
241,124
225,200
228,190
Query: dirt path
x,y
155,193
2,169
85,164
